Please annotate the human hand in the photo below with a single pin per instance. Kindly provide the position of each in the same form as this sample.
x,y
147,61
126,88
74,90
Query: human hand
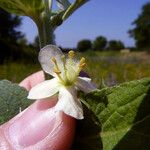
x,y
38,127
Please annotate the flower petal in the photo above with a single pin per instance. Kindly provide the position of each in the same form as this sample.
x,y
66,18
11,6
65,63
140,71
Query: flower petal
x,y
68,103
85,84
45,56
44,89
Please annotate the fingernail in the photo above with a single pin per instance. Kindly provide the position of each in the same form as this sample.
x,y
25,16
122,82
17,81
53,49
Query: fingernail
x,y
31,129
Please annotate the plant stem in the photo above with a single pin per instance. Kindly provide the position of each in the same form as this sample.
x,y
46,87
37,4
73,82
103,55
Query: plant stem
x,y
45,35
45,30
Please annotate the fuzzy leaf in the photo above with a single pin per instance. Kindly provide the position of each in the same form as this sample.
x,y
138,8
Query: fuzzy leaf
x,y
12,98
31,8
66,10
122,117
74,6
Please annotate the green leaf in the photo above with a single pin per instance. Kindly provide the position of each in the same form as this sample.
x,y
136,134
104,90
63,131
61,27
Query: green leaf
x,y
122,115
12,98
73,7
31,8
63,4
56,19
66,10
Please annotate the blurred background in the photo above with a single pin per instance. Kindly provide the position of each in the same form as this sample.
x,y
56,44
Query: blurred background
x,y
114,37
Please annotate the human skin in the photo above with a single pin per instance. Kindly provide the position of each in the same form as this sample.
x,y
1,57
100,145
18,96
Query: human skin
x,y
38,127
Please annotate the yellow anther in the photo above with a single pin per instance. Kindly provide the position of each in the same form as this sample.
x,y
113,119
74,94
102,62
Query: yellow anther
x,y
71,54
53,59
56,68
82,65
82,61
57,71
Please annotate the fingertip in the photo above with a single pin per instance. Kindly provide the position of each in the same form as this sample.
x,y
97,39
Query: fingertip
x,y
40,127
61,138
67,132
32,80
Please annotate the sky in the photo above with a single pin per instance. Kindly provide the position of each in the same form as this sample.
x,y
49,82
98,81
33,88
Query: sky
x,y
109,18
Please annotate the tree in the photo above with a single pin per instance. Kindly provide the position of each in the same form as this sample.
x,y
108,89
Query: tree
x,y
84,45
9,23
100,43
115,45
141,32
36,44
8,34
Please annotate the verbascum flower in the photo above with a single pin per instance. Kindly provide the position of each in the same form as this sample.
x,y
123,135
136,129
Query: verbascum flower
x,y
66,81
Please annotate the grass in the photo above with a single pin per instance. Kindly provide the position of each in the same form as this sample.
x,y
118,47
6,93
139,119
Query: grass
x,y
16,72
116,67
113,67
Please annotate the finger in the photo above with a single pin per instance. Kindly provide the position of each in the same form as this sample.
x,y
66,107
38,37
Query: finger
x,y
32,80
38,77
38,128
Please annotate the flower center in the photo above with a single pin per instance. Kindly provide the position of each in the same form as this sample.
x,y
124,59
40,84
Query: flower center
x,y
69,70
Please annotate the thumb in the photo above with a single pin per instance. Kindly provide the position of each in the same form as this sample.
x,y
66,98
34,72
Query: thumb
x,y
38,128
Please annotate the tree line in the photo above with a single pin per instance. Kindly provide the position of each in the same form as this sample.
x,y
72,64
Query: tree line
x,y
99,44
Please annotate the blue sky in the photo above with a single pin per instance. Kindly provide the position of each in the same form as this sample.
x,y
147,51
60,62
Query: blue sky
x,y
110,18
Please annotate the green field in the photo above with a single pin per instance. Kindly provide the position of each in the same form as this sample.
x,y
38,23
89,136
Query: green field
x,y
113,67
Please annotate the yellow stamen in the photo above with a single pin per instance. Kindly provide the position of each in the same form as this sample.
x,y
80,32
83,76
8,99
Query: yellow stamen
x,y
63,60
81,66
53,59
82,61
71,54
59,76
56,68
57,71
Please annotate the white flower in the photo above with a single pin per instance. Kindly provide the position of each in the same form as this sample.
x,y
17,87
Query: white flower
x,y
66,80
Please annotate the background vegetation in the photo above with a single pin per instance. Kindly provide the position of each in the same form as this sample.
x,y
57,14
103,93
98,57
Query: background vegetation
x,y
114,67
